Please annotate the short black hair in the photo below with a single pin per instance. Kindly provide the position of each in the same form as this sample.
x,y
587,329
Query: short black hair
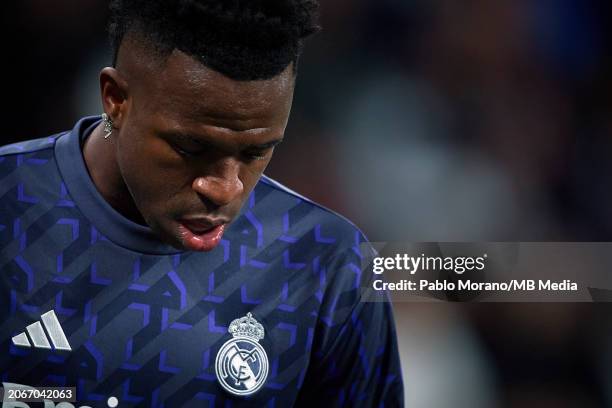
x,y
242,39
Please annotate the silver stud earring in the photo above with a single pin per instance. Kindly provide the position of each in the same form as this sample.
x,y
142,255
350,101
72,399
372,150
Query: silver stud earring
x,y
108,125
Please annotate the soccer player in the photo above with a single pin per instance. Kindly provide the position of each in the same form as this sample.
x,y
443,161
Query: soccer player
x,y
145,258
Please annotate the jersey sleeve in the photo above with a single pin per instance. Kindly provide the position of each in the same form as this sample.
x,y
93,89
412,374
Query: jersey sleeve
x,y
355,359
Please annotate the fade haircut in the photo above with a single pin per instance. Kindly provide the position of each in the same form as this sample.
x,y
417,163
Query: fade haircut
x,y
242,39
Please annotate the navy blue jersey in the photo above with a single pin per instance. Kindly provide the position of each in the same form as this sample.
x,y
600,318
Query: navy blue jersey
x,y
93,300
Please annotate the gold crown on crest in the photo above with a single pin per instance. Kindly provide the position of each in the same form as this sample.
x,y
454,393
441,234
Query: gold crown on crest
x,y
246,326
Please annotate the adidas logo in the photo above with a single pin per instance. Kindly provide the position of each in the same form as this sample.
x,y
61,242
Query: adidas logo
x,y
39,338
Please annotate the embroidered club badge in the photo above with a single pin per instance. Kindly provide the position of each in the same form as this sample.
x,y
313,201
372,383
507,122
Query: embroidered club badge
x,y
242,364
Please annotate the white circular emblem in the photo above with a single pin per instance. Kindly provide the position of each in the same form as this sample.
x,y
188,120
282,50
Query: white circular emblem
x,y
241,364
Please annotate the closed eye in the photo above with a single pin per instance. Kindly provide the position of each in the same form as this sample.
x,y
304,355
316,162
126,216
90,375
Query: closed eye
x,y
258,155
189,146
183,151
261,152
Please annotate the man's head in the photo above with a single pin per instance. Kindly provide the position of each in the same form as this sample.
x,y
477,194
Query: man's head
x,y
199,95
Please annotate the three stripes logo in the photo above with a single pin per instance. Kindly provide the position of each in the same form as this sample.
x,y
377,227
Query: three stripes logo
x,y
39,339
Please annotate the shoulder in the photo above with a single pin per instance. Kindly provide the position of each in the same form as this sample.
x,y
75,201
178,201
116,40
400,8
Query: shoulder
x,y
333,246
29,171
326,226
29,146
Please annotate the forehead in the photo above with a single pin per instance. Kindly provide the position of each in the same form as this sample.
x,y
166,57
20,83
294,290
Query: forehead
x,y
183,87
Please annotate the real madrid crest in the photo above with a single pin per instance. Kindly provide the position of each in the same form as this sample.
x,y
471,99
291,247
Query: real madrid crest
x,y
242,365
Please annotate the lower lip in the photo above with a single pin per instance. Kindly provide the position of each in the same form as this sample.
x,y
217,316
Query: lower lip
x,y
205,241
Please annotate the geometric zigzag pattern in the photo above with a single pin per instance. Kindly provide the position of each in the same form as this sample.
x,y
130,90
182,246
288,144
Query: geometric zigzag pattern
x,y
146,328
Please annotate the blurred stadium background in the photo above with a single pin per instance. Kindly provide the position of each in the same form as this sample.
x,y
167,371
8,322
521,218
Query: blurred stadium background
x,y
447,120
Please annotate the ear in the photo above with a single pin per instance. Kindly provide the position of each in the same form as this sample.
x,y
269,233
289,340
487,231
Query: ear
x,y
114,91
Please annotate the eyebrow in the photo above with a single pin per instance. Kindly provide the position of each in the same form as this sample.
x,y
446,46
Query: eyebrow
x,y
195,139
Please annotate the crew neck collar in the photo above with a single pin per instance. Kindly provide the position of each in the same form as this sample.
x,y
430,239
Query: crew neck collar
x,y
110,223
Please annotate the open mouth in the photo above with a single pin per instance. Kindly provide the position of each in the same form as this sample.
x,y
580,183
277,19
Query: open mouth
x,y
200,236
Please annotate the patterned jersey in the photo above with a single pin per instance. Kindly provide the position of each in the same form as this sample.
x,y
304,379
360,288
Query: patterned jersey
x,y
91,300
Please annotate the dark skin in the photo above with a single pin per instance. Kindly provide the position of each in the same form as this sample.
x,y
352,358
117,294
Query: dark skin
x,y
188,143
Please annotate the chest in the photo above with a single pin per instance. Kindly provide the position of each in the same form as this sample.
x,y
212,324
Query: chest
x,y
155,331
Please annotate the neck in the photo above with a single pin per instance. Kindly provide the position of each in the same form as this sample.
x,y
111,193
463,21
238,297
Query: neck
x,y
101,162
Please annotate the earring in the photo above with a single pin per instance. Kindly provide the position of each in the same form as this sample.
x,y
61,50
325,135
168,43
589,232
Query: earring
x,y
108,125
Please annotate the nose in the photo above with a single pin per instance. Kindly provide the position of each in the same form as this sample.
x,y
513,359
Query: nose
x,y
222,186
